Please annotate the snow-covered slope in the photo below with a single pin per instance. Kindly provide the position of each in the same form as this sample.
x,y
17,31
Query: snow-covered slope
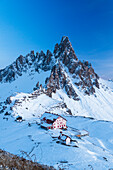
x,y
29,140
98,106
29,105
25,84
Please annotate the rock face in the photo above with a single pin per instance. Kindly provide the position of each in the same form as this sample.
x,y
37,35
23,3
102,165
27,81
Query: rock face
x,y
23,64
65,51
59,80
82,72
62,62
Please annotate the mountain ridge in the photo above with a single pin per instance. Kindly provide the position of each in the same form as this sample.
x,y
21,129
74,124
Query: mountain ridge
x,y
83,73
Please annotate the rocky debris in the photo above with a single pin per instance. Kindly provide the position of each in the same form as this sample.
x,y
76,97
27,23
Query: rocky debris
x,y
9,161
69,111
18,103
31,96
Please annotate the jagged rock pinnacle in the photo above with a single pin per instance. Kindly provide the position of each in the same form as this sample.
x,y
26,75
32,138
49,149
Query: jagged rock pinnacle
x,y
65,38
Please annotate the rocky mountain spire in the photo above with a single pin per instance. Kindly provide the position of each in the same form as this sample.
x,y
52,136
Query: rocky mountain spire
x,y
64,51
82,72
59,80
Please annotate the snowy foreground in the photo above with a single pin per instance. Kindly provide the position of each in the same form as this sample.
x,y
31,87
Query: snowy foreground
x,y
32,142
93,113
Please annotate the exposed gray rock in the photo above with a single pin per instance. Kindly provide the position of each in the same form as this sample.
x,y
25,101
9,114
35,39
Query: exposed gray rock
x,y
83,74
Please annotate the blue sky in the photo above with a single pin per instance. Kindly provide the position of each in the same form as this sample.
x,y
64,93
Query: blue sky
x,y
27,25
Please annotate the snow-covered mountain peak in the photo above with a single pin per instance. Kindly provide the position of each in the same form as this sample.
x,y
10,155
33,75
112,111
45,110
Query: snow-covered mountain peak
x,y
24,64
58,70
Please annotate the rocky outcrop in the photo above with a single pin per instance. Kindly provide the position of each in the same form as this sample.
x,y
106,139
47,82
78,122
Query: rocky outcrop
x,y
59,80
82,72
23,64
10,161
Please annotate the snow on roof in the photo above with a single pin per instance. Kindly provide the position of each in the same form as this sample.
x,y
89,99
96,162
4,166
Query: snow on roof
x,y
84,132
51,116
64,137
44,124
18,117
